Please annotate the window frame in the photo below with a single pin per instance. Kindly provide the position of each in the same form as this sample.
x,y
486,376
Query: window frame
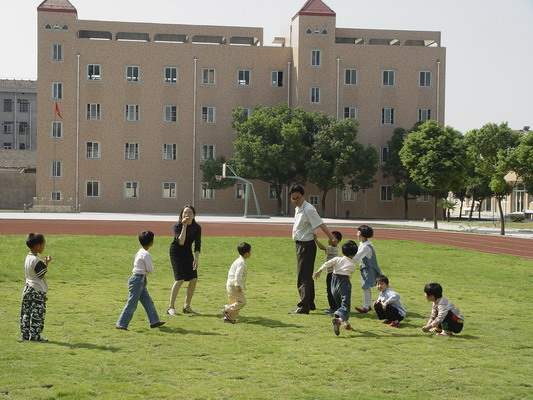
x,y
58,196
246,80
170,113
316,58
423,78
384,118
208,115
57,52
275,79
313,199
97,115
206,76
56,170
133,73
172,191
314,95
204,189
427,112
204,156
387,191
173,151
94,77
57,90
136,193
132,113
129,148
350,77
348,111
386,76
94,149
384,154
170,78
93,185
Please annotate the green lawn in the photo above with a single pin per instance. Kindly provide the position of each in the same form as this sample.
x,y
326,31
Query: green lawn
x,y
268,354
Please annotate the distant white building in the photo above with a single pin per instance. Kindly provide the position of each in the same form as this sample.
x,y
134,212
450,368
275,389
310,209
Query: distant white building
x,y
18,114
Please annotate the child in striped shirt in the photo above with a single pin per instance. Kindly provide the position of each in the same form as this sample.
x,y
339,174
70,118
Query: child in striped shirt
x,y
445,318
331,251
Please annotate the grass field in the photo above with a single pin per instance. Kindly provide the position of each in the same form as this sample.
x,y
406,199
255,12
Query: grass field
x,y
268,354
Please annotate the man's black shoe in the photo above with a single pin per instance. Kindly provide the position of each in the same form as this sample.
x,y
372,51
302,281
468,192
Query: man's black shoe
x,y
299,311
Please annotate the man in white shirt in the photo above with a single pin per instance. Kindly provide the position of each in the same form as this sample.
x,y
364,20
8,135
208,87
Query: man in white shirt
x,y
306,220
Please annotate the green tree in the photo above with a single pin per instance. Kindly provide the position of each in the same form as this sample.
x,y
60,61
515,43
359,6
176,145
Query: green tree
x,y
403,185
435,158
336,157
492,147
270,146
522,160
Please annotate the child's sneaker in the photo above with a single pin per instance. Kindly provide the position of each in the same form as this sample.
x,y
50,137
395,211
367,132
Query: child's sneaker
x,y
228,320
158,323
347,326
435,330
225,313
386,322
444,333
394,324
336,323
39,339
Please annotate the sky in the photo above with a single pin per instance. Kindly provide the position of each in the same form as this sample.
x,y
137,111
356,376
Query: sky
x,y
489,43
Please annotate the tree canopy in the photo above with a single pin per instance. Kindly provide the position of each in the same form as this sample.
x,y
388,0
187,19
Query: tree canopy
x,y
435,158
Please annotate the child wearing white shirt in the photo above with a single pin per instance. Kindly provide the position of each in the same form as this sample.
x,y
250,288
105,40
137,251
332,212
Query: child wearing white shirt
x,y
236,283
142,266
388,306
341,287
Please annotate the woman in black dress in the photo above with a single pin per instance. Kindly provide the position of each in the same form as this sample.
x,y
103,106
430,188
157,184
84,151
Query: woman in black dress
x,y
184,264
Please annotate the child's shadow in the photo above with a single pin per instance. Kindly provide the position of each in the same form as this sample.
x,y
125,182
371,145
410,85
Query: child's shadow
x,y
181,331
266,322
89,346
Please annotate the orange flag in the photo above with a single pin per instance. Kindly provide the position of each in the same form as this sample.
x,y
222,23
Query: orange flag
x,y
58,112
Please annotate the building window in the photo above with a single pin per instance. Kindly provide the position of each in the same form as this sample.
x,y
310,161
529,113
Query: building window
x,y
425,79
386,193
93,72
171,75
519,196
170,151
169,190
315,95
207,194
57,90
93,112
170,114
132,151
313,199
208,152
316,58
92,189
55,196
132,74
243,77
388,78
8,105
8,126
56,169
350,112
23,127
7,146
387,116
348,194
240,191
246,112
132,112
277,79
272,192
57,52
24,105
93,150
384,154
350,77
423,198
131,190
208,76
424,114
208,115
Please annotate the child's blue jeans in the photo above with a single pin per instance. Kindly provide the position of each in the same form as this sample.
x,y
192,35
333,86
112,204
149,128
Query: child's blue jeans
x,y
138,292
341,288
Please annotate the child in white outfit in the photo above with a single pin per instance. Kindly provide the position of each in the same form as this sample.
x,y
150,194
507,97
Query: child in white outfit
x,y
236,283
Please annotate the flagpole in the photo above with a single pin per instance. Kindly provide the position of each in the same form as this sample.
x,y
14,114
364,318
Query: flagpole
x,y
54,162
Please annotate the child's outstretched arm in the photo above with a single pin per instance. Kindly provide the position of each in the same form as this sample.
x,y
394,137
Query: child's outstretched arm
x,y
318,244
327,264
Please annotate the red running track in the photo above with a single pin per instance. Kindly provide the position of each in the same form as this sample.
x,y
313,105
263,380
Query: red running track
x,y
484,243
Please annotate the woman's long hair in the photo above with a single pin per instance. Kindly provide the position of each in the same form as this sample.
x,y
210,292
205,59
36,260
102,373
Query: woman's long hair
x,y
193,211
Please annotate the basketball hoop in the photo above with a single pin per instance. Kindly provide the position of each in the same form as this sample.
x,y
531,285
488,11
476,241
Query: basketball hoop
x,y
218,178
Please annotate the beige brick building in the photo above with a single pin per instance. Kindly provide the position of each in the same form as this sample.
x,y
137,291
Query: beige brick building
x,y
144,104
